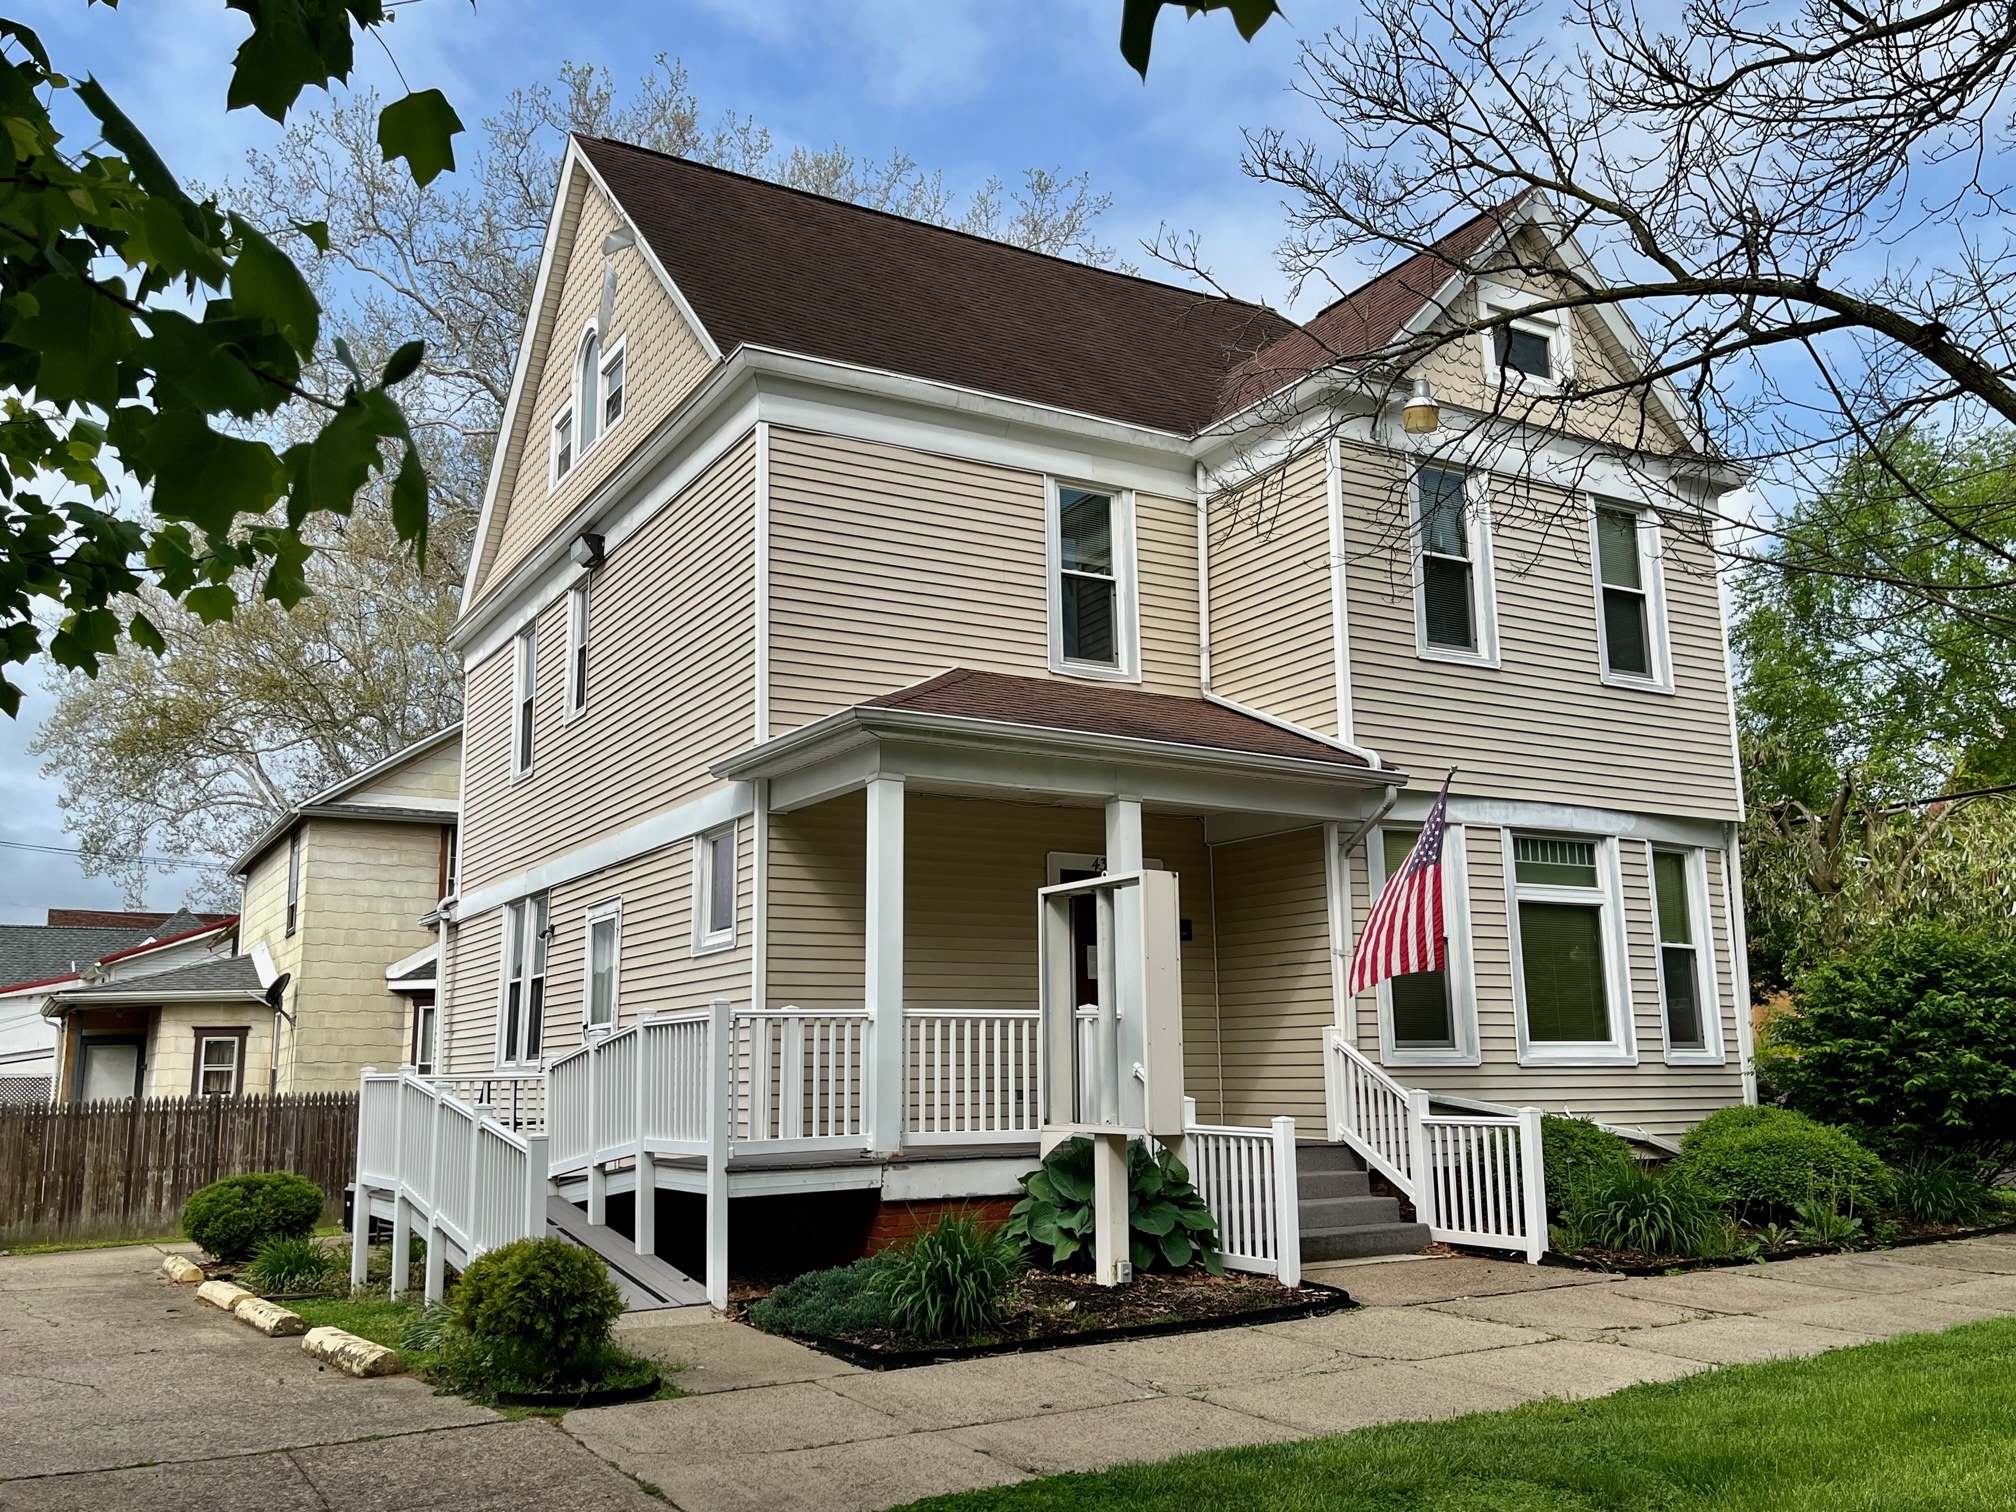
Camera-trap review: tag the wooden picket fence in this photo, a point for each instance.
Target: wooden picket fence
(104, 1169)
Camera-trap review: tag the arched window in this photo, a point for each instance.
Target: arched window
(590, 407)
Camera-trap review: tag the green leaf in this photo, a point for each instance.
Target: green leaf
(80, 335)
(404, 363)
(1066, 1246)
(316, 232)
(409, 502)
(206, 478)
(211, 604)
(266, 285)
(1155, 1218)
(420, 128)
(1197, 1219)
(1177, 1249)
(1039, 1187)
(1138, 17)
(142, 632)
(1141, 1252)
(1212, 1261)
(294, 43)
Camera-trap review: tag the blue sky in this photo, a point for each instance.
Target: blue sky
(976, 88)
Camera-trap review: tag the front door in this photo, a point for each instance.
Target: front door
(108, 1069)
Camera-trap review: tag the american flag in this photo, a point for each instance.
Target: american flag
(1403, 932)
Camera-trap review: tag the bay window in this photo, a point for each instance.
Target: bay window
(1570, 983)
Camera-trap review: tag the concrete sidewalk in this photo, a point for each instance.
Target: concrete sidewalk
(773, 1426)
(118, 1390)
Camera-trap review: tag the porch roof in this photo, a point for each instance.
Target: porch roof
(1067, 740)
(228, 979)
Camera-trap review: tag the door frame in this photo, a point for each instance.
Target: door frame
(84, 1043)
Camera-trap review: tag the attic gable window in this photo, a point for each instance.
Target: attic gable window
(563, 444)
(1525, 350)
(589, 379)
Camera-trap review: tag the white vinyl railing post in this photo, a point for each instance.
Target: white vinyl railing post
(472, 1225)
(402, 1242)
(644, 1219)
(598, 1179)
(535, 1185)
(720, 1088)
(1533, 1178)
(1287, 1206)
(1336, 1085)
(360, 1204)
(434, 1285)
(1417, 1157)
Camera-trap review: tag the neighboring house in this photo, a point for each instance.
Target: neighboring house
(335, 893)
(843, 580)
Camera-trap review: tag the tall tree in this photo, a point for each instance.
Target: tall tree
(192, 752)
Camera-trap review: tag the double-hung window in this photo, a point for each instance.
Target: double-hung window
(1687, 990)
(563, 444)
(612, 385)
(522, 1022)
(577, 650)
(1572, 990)
(220, 1062)
(714, 890)
(1630, 607)
(605, 940)
(588, 382)
(522, 705)
(1454, 617)
(294, 881)
(1092, 619)
(1426, 1017)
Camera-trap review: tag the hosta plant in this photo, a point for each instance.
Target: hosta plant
(1167, 1221)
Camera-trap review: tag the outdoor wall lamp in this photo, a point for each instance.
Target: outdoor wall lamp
(1423, 414)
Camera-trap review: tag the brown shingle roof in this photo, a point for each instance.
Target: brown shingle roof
(764, 265)
(1102, 709)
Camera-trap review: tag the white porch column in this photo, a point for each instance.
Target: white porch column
(1126, 853)
(883, 974)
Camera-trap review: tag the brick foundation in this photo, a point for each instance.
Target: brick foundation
(897, 1222)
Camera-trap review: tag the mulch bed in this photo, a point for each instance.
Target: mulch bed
(1633, 1263)
(1053, 1310)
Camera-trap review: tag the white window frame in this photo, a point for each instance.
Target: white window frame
(1621, 1048)
(578, 651)
(238, 1044)
(1497, 299)
(1126, 587)
(555, 473)
(706, 941)
(1483, 588)
(613, 352)
(1461, 968)
(525, 703)
(520, 917)
(1707, 980)
(610, 913)
(1651, 556)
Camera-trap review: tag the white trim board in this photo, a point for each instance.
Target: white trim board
(1507, 813)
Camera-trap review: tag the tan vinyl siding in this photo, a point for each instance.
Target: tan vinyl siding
(671, 687)
(1651, 1095)
(889, 565)
(1274, 994)
(435, 774)
(663, 361)
(1542, 726)
(1271, 638)
(818, 904)
(469, 1021)
(171, 1051)
(262, 916)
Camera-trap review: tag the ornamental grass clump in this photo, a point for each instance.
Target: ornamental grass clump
(1635, 1209)
(950, 1282)
(1573, 1150)
(232, 1218)
(295, 1266)
(1167, 1221)
(1943, 1187)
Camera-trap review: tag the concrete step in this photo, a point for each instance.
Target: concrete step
(1326, 1157)
(1310, 1185)
(1346, 1212)
(1360, 1241)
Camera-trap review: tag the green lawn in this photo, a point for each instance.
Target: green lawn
(1925, 1421)
(374, 1318)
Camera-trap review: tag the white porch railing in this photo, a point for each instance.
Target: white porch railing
(972, 1075)
(1475, 1177)
(801, 1078)
(470, 1183)
(1247, 1180)
(515, 1099)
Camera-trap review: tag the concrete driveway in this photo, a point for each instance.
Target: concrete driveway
(119, 1390)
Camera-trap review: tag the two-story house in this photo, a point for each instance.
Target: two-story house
(844, 580)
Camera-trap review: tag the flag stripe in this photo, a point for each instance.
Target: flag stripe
(1404, 932)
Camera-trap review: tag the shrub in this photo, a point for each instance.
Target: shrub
(1573, 1149)
(1911, 1036)
(1938, 1187)
(296, 1265)
(820, 1304)
(1167, 1220)
(542, 1308)
(950, 1282)
(1633, 1208)
(233, 1217)
(1765, 1161)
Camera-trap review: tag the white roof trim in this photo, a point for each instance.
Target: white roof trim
(407, 964)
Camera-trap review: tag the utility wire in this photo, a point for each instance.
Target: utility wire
(194, 863)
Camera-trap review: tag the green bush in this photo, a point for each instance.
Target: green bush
(1910, 1037)
(1941, 1187)
(1765, 1162)
(1167, 1220)
(1631, 1207)
(296, 1264)
(950, 1282)
(1573, 1149)
(820, 1304)
(233, 1217)
(543, 1309)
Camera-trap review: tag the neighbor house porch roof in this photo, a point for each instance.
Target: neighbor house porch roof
(227, 980)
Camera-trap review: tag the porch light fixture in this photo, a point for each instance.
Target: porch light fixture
(1423, 414)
